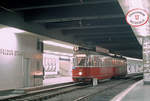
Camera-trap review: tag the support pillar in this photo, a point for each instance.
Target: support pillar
(95, 81)
(146, 59)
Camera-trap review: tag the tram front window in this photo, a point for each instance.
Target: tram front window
(81, 61)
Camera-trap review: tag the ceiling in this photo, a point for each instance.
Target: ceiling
(85, 22)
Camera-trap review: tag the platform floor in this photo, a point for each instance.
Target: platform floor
(137, 92)
(46, 82)
(57, 80)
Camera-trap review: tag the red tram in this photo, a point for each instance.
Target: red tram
(89, 65)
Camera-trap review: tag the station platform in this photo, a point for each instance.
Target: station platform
(136, 92)
(57, 80)
(48, 82)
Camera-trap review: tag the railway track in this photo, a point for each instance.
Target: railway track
(105, 91)
(38, 95)
(103, 94)
(54, 92)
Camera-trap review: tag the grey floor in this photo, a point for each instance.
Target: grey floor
(140, 93)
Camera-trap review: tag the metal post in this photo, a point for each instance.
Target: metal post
(146, 59)
(95, 81)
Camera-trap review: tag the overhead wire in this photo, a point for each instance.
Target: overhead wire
(6, 9)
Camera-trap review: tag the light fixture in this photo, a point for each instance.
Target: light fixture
(58, 53)
(58, 44)
(129, 58)
(11, 30)
(80, 73)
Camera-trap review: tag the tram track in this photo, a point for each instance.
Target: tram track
(56, 91)
(106, 90)
(103, 87)
(39, 95)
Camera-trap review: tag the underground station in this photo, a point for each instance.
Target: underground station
(74, 50)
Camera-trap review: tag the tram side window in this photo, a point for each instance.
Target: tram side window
(107, 62)
(100, 61)
(114, 62)
(110, 62)
(96, 61)
(103, 62)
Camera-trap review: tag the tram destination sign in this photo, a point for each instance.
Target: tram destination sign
(137, 17)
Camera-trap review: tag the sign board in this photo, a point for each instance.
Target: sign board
(137, 17)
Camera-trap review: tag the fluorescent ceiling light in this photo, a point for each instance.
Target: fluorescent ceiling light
(58, 44)
(58, 53)
(11, 30)
(129, 58)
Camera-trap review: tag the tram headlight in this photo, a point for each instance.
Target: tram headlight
(80, 73)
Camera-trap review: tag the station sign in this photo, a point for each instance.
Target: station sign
(10, 52)
(137, 17)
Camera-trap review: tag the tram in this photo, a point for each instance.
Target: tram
(89, 65)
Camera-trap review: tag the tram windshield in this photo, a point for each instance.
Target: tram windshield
(80, 60)
(92, 61)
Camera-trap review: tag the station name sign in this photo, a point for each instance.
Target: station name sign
(10, 52)
(137, 17)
